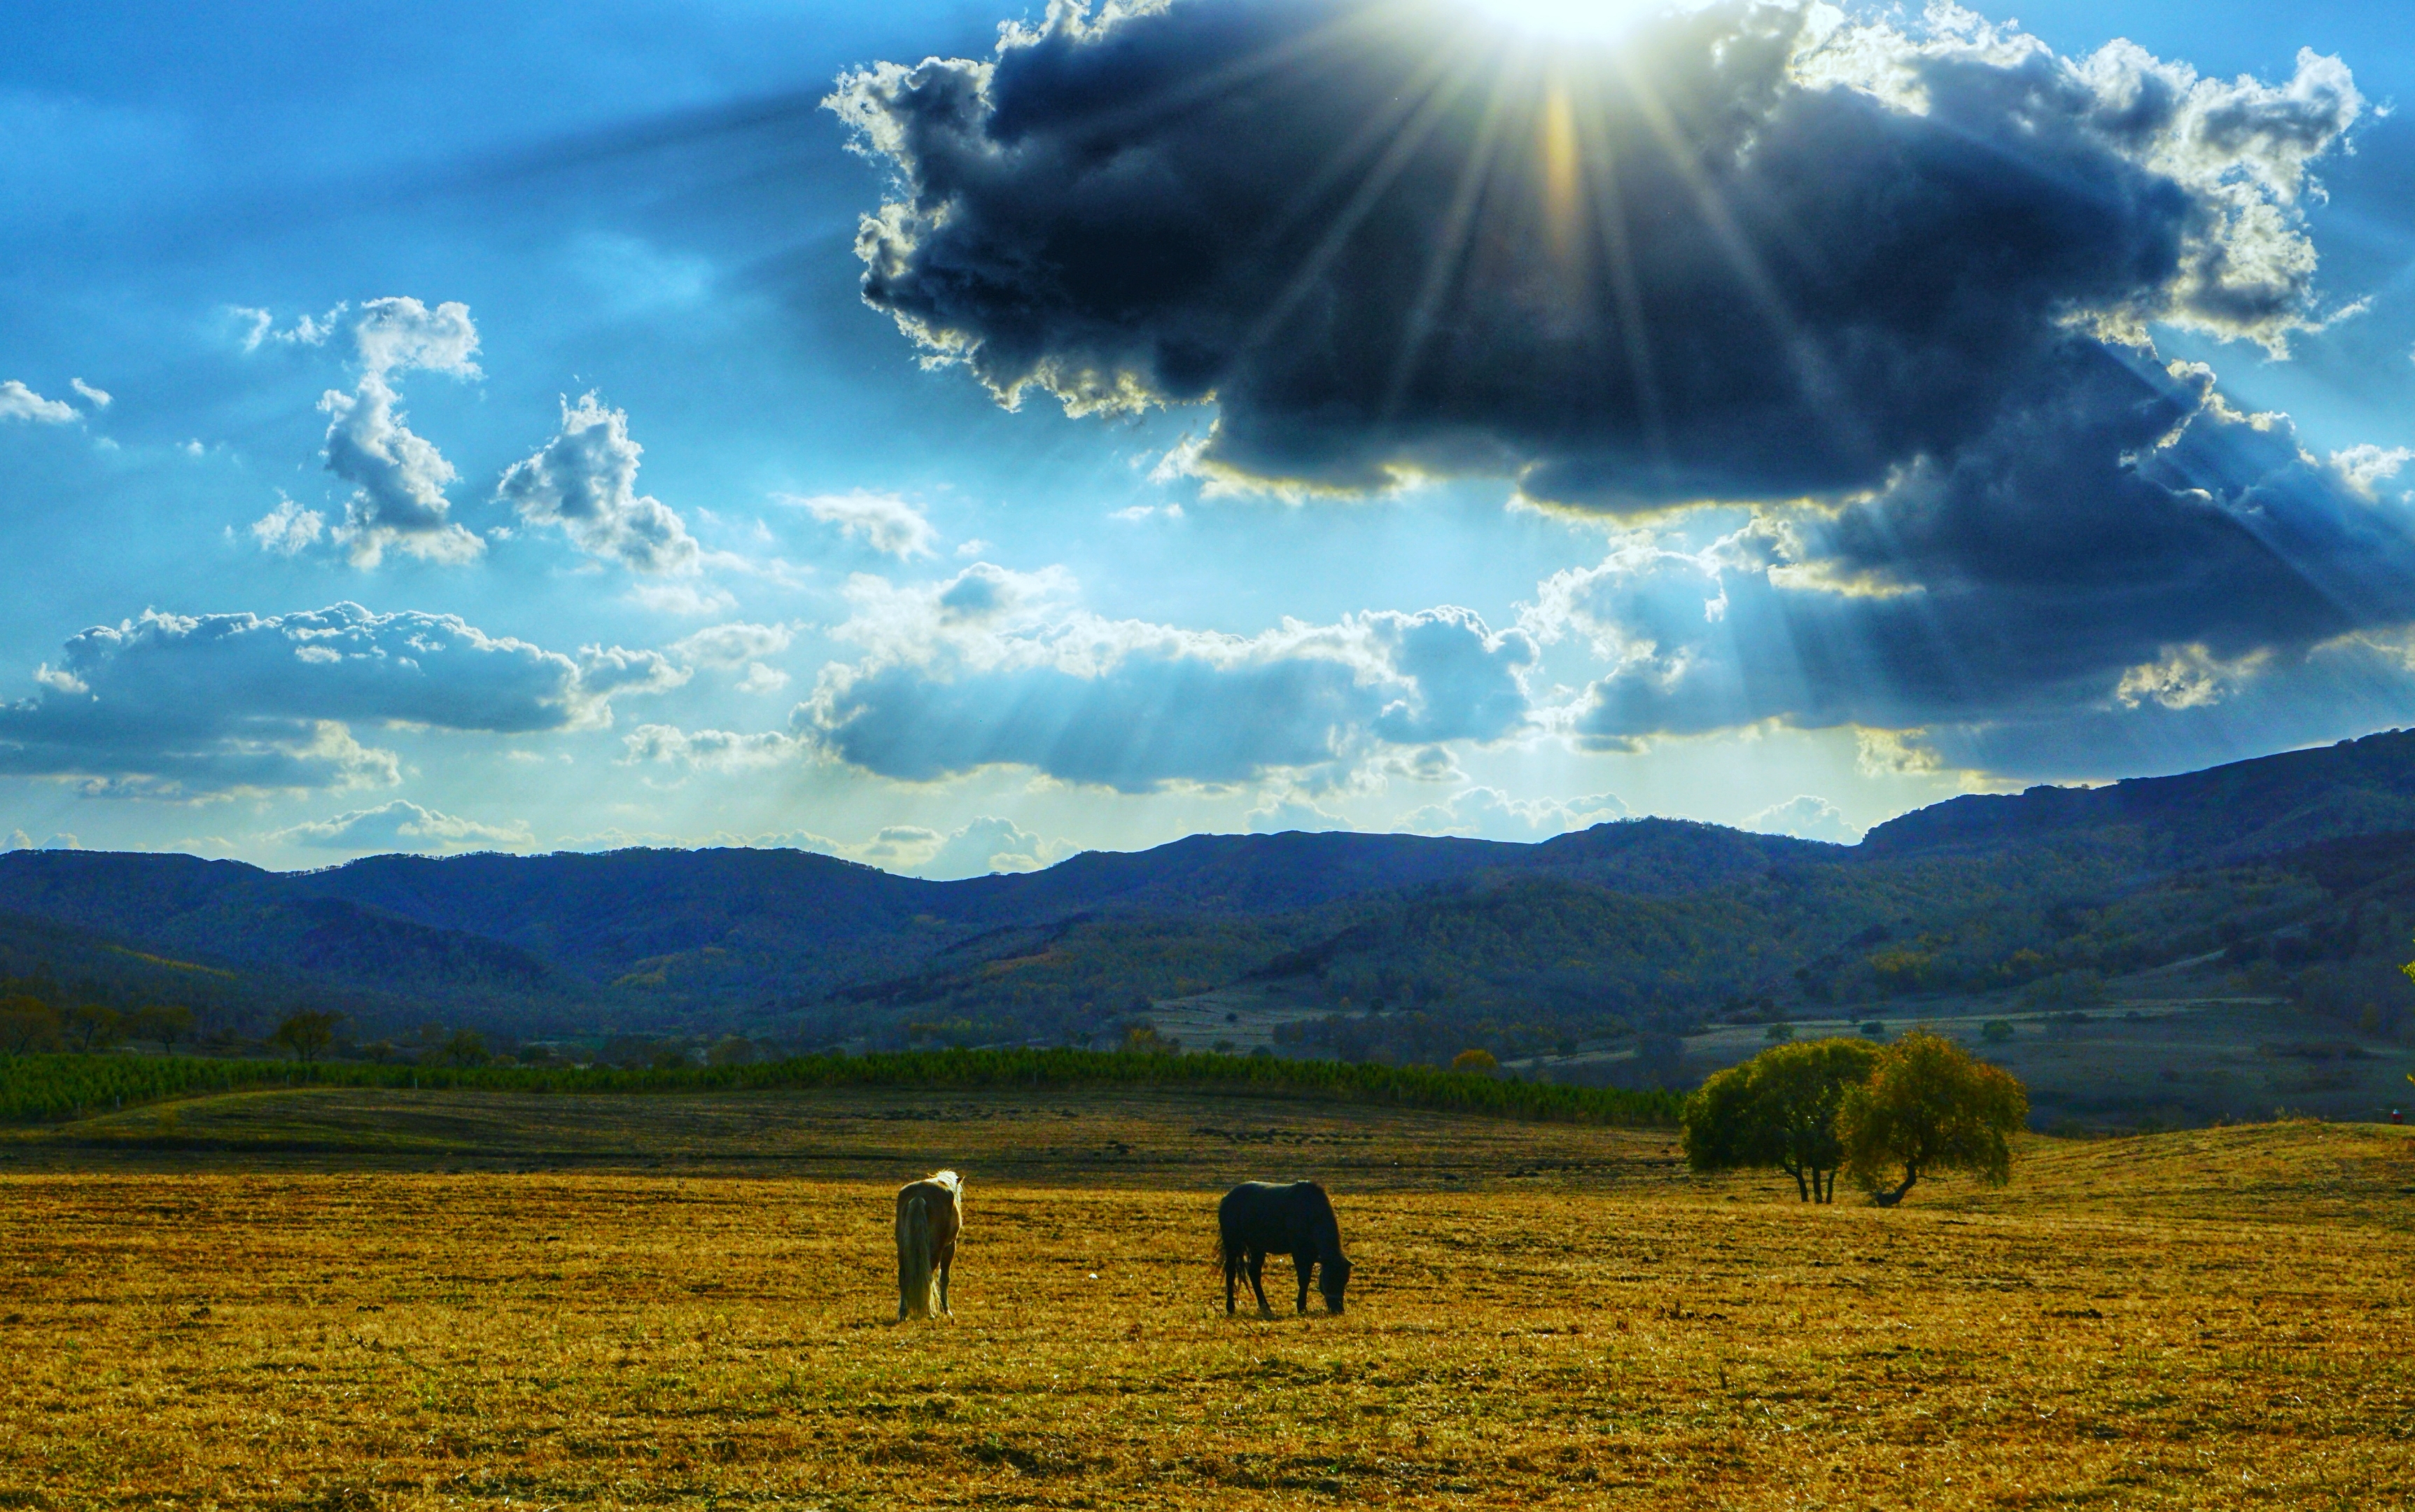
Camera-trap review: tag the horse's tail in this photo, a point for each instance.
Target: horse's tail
(914, 1270)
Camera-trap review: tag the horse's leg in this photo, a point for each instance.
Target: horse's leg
(1304, 1263)
(1232, 1278)
(1258, 1281)
(947, 1264)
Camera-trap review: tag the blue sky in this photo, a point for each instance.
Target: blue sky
(455, 427)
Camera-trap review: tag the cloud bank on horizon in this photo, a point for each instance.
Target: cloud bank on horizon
(1880, 379)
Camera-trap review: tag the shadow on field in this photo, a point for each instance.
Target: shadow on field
(1134, 1138)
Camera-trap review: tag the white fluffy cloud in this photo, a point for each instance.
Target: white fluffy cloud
(398, 477)
(2366, 467)
(884, 522)
(739, 644)
(998, 668)
(985, 846)
(173, 706)
(982, 847)
(2240, 150)
(18, 402)
(403, 826)
(733, 644)
(1278, 814)
(713, 750)
(400, 335)
(1489, 813)
(1805, 818)
(97, 398)
(2186, 676)
(584, 482)
(308, 331)
(287, 529)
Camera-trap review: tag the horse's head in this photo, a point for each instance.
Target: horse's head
(1331, 1278)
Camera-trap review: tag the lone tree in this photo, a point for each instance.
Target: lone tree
(1927, 1106)
(468, 1047)
(1145, 1040)
(165, 1023)
(1779, 1108)
(95, 1026)
(28, 1026)
(306, 1034)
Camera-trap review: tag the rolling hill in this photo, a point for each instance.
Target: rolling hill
(2300, 865)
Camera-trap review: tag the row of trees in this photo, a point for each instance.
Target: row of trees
(1812, 1109)
(31, 1026)
(39, 1088)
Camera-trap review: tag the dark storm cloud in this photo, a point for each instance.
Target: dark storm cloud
(1733, 258)
(2132, 546)
(1894, 289)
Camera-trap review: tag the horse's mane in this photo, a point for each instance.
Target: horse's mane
(1329, 1227)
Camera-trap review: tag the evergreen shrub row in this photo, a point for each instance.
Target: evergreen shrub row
(48, 1087)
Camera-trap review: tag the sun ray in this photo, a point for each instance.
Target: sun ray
(1450, 249)
(1416, 94)
(1797, 349)
(1619, 259)
(1562, 171)
(1364, 200)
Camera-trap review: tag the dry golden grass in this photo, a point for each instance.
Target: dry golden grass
(2214, 1319)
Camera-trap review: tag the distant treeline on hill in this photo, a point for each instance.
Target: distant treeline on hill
(42, 1088)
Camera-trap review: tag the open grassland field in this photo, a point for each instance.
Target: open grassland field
(314, 1315)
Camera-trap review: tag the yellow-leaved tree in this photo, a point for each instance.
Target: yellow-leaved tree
(1779, 1108)
(1928, 1107)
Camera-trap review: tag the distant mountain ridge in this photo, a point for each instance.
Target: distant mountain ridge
(1636, 921)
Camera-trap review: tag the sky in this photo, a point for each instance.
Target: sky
(954, 436)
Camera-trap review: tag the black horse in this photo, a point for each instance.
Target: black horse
(1258, 1219)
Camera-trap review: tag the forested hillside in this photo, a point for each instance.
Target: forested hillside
(2296, 872)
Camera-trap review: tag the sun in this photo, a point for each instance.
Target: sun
(1586, 19)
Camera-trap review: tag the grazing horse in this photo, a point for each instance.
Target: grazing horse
(1258, 1219)
(930, 1215)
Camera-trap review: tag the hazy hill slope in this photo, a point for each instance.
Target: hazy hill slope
(87, 965)
(597, 915)
(255, 926)
(133, 896)
(730, 926)
(1673, 858)
(1245, 875)
(2248, 808)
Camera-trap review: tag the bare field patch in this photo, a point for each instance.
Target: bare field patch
(2203, 1321)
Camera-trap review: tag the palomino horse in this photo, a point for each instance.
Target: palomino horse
(930, 1215)
(1258, 1219)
